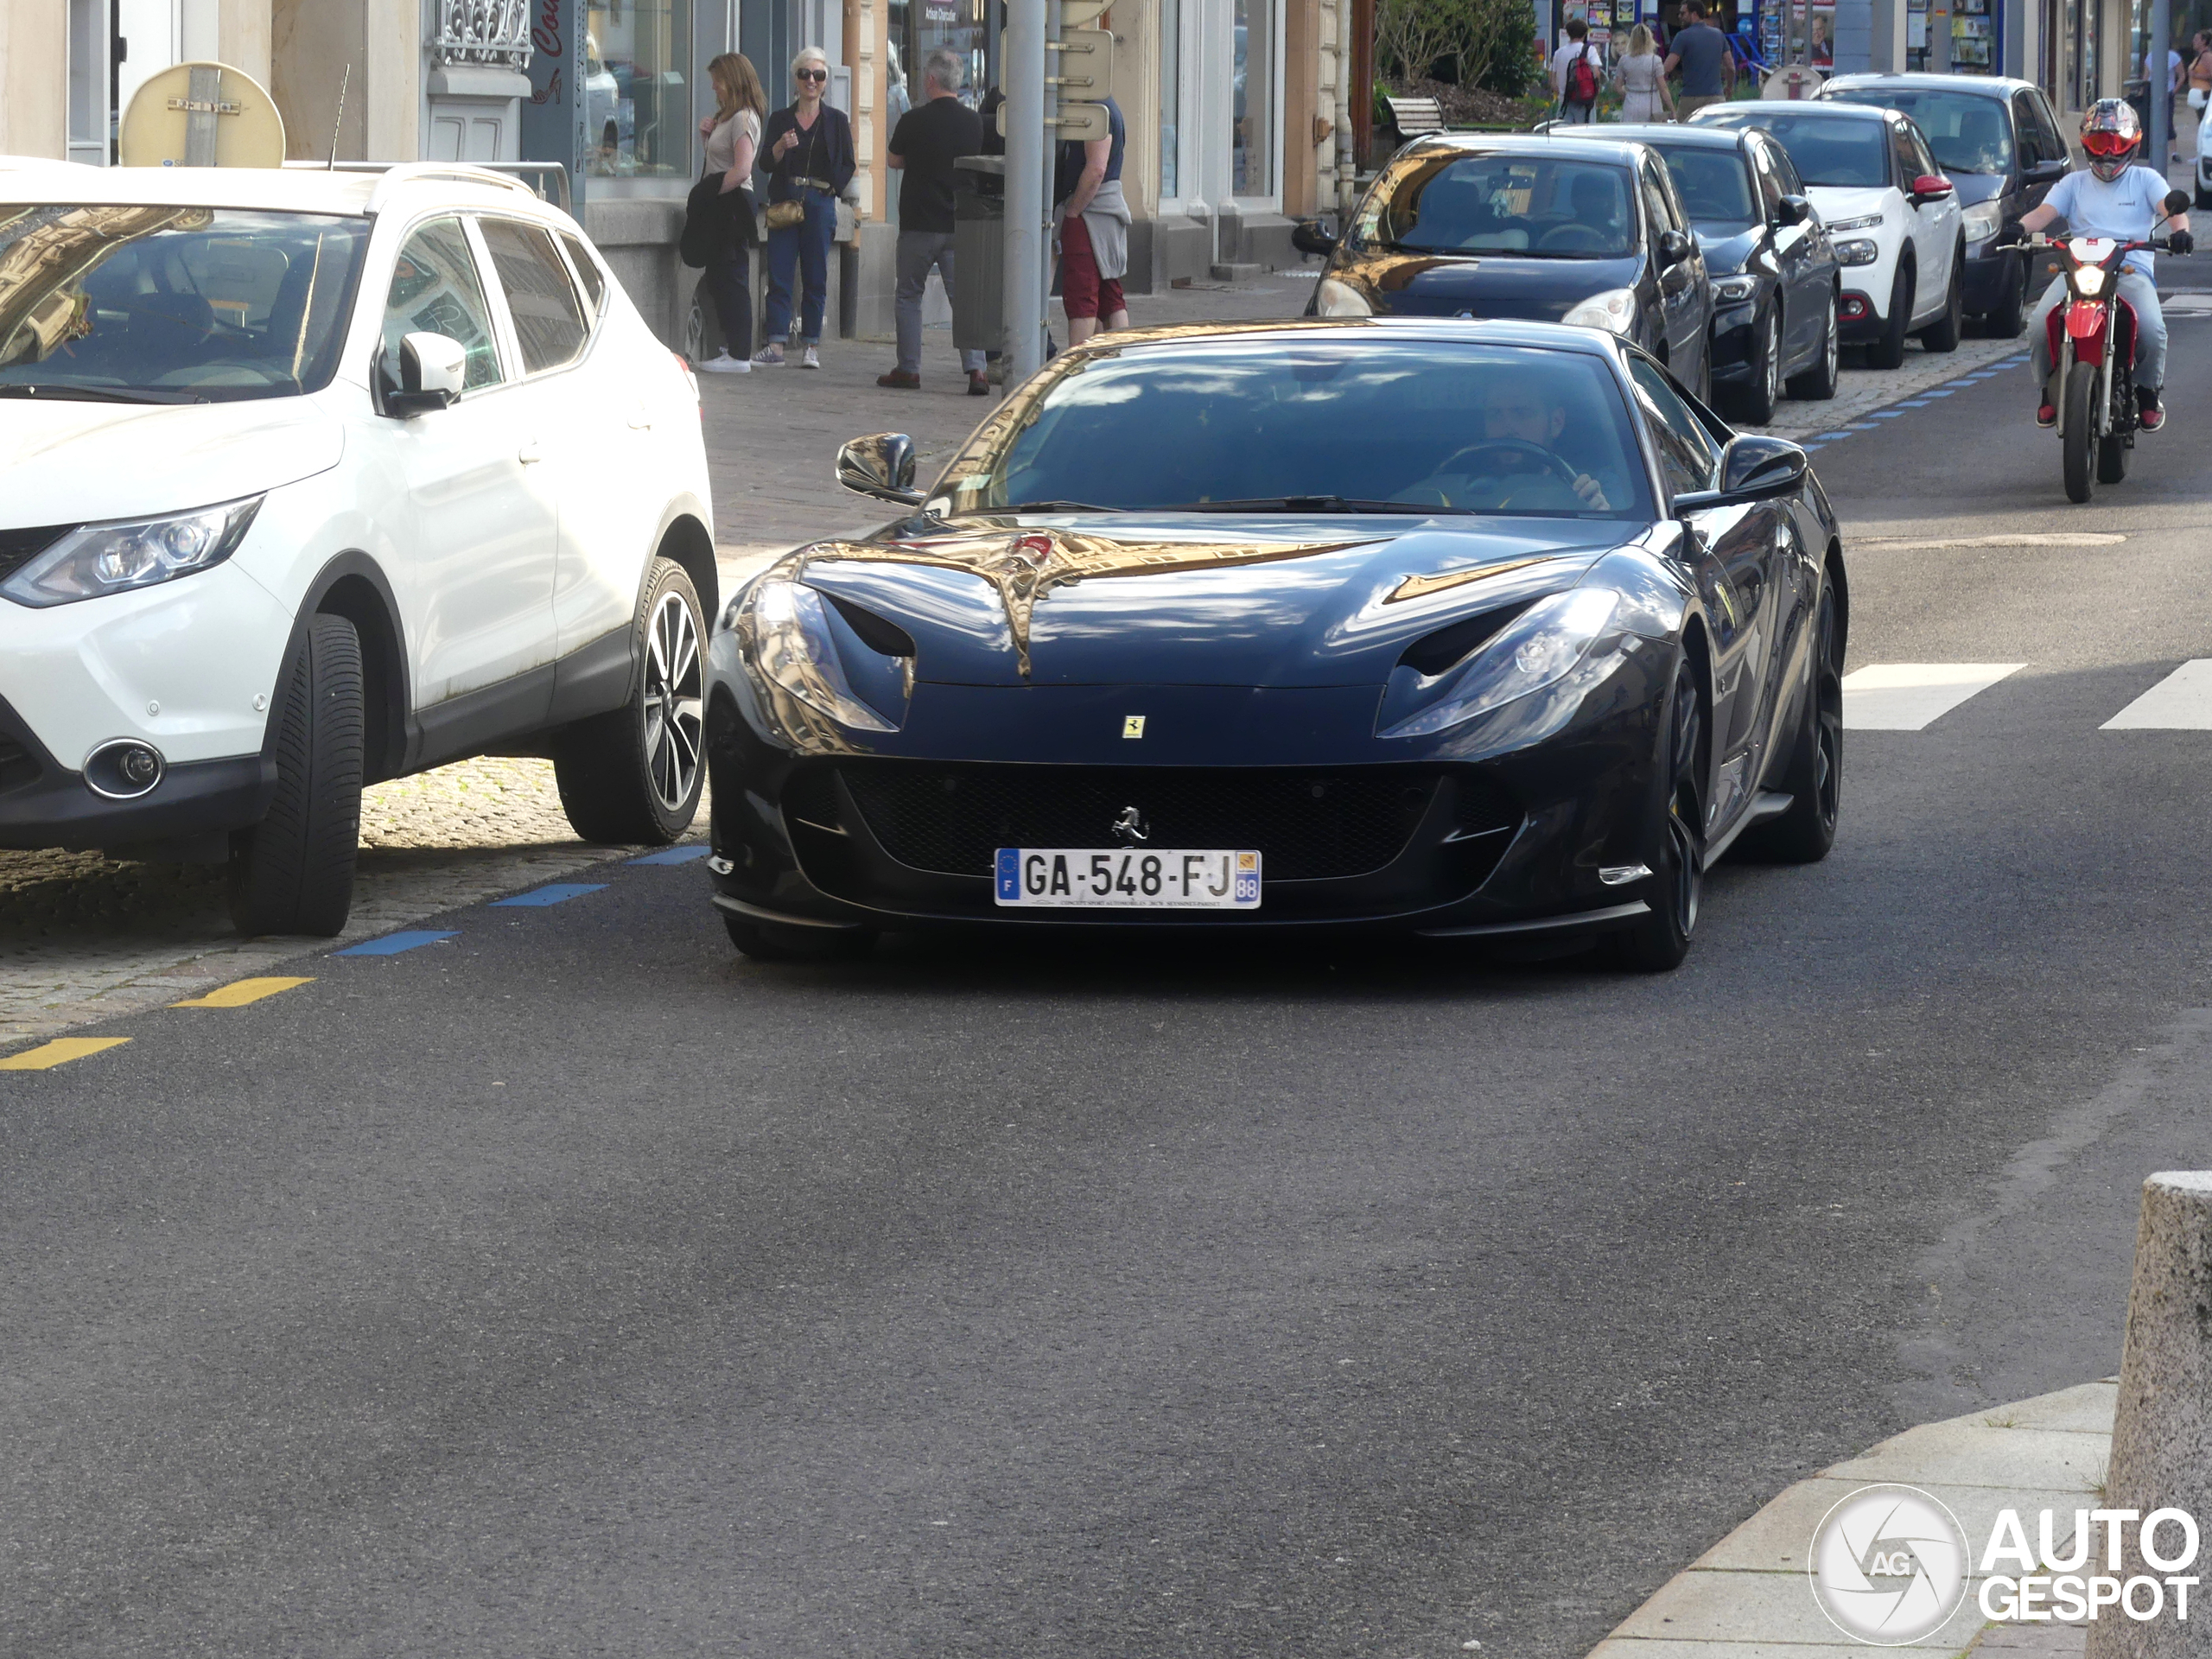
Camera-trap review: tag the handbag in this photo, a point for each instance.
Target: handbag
(2197, 98)
(783, 215)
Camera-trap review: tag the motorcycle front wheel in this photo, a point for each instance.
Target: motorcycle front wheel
(2078, 421)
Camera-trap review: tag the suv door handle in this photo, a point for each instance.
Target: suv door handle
(531, 453)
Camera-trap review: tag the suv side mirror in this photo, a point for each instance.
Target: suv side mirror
(1311, 236)
(433, 368)
(881, 465)
(1753, 468)
(1929, 186)
(1674, 246)
(1793, 210)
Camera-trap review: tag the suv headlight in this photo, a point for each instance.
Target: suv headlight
(1340, 298)
(1734, 290)
(1539, 647)
(1859, 251)
(785, 641)
(1614, 309)
(1864, 222)
(95, 560)
(1983, 220)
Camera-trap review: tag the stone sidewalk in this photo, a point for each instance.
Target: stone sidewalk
(1749, 1596)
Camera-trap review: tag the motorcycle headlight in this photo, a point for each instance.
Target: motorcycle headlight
(1734, 290)
(2089, 280)
(1341, 299)
(1614, 309)
(100, 559)
(1983, 220)
(1864, 222)
(1539, 647)
(784, 637)
(1861, 251)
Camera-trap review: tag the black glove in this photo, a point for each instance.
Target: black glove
(2181, 242)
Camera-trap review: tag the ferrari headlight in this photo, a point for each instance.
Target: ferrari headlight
(2089, 280)
(1340, 298)
(1614, 309)
(1539, 647)
(1734, 290)
(1983, 220)
(100, 559)
(1859, 251)
(1864, 222)
(784, 637)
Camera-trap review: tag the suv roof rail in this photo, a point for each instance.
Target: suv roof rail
(544, 180)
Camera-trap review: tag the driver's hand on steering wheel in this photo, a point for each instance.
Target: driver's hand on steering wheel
(1592, 496)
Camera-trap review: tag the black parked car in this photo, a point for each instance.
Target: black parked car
(1773, 269)
(1528, 227)
(1999, 142)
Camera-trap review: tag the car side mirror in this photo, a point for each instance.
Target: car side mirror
(881, 465)
(1930, 187)
(433, 368)
(1753, 468)
(1311, 236)
(1793, 210)
(1674, 246)
(2044, 172)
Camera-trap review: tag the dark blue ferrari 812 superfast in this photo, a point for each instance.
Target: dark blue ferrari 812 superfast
(1484, 631)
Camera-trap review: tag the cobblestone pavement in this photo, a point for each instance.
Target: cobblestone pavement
(85, 938)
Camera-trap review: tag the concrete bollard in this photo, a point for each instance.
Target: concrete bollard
(2162, 1435)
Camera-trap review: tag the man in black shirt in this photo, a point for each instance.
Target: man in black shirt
(927, 140)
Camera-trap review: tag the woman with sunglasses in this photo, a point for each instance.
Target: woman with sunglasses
(809, 149)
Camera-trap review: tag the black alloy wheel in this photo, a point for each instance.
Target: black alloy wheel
(2077, 423)
(1658, 942)
(1817, 383)
(2010, 320)
(1888, 352)
(1942, 334)
(1804, 834)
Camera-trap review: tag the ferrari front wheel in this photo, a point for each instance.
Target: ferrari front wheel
(1660, 940)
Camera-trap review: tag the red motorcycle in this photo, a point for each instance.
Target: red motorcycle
(2093, 335)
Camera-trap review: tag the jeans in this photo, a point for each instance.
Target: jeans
(805, 245)
(2139, 291)
(1577, 114)
(917, 251)
(729, 284)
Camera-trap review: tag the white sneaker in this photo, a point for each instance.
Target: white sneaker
(725, 364)
(809, 359)
(769, 357)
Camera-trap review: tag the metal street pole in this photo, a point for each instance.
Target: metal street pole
(2160, 76)
(1024, 187)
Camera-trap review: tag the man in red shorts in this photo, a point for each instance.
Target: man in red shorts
(1094, 219)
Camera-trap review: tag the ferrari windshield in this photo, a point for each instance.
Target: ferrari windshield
(1354, 423)
(163, 304)
(1845, 151)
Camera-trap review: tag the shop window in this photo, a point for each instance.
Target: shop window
(638, 73)
(1252, 97)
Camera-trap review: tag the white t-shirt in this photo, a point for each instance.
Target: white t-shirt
(1566, 55)
(2125, 209)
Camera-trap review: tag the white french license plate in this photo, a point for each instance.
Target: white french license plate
(1085, 878)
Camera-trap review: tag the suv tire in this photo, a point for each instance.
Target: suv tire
(1942, 334)
(1888, 352)
(293, 872)
(632, 777)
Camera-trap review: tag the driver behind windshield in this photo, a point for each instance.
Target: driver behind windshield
(1517, 467)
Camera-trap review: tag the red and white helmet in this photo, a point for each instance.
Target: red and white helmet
(2111, 134)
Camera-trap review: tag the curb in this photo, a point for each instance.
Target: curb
(1748, 1597)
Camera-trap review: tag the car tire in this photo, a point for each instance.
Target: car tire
(2077, 423)
(1942, 334)
(1660, 941)
(1755, 402)
(1804, 834)
(293, 872)
(1817, 383)
(1888, 352)
(2010, 320)
(767, 941)
(2204, 199)
(632, 777)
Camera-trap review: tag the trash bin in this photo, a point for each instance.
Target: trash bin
(979, 253)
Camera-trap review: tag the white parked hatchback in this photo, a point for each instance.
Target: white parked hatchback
(1898, 230)
(309, 480)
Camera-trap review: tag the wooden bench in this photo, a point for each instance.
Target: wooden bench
(1412, 117)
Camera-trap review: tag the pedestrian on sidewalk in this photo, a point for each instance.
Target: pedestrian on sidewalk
(733, 136)
(810, 151)
(1708, 68)
(925, 144)
(1577, 67)
(1644, 96)
(2190, 110)
(1094, 224)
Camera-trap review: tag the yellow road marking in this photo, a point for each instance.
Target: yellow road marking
(60, 1052)
(238, 992)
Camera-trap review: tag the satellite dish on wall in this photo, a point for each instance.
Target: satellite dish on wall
(202, 115)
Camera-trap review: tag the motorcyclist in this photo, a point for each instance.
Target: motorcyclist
(2121, 199)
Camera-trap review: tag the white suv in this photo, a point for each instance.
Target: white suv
(309, 480)
(1898, 230)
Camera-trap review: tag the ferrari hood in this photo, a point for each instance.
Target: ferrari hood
(63, 461)
(1194, 599)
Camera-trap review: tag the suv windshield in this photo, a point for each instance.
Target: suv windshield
(1715, 186)
(1968, 133)
(1845, 151)
(1309, 425)
(1451, 203)
(173, 304)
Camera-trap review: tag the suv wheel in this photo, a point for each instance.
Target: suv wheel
(1942, 334)
(293, 872)
(1888, 352)
(632, 777)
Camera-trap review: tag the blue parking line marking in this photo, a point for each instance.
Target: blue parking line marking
(1914, 403)
(1883, 415)
(1863, 426)
(555, 893)
(676, 855)
(393, 943)
(1939, 391)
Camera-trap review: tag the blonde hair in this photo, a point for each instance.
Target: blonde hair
(737, 85)
(1639, 41)
(811, 55)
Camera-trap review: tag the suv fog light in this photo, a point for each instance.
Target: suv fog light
(122, 770)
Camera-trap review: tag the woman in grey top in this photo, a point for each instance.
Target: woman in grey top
(1642, 81)
(733, 136)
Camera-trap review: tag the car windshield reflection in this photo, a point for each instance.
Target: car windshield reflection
(1968, 132)
(1505, 204)
(1844, 152)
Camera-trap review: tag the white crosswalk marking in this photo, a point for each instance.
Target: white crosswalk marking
(1907, 696)
(2180, 702)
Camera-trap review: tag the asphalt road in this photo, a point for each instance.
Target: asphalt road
(573, 1286)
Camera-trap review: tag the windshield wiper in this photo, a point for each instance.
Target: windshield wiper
(1054, 506)
(98, 394)
(1309, 504)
